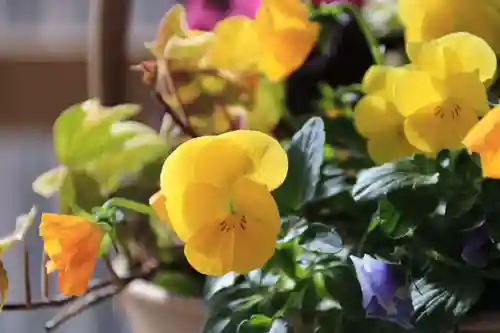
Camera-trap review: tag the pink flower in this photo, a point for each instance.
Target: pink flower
(204, 14)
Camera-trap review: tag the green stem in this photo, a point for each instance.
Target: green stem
(374, 45)
(131, 205)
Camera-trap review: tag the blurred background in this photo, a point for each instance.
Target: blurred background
(43, 50)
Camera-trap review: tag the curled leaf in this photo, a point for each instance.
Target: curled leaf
(23, 223)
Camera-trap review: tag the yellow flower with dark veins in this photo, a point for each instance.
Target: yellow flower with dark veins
(442, 93)
(377, 119)
(72, 244)
(220, 202)
(484, 139)
(276, 42)
(425, 20)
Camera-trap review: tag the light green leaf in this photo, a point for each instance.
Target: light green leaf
(139, 146)
(305, 156)
(23, 223)
(81, 190)
(49, 182)
(4, 285)
(377, 182)
(82, 131)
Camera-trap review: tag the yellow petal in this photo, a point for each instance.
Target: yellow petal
(467, 90)
(490, 164)
(388, 147)
(236, 45)
(159, 203)
(50, 267)
(172, 24)
(286, 14)
(416, 90)
(269, 159)
(283, 50)
(485, 135)
(433, 129)
(196, 206)
(375, 115)
(210, 251)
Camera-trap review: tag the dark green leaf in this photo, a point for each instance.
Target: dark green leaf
(377, 182)
(392, 222)
(321, 238)
(443, 296)
(343, 287)
(305, 156)
(179, 283)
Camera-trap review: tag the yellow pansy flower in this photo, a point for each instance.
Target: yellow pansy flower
(484, 138)
(377, 119)
(72, 244)
(454, 53)
(439, 111)
(425, 20)
(219, 200)
(276, 42)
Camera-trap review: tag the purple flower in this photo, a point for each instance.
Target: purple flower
(386, 294)
(204, 14)
(477, 249)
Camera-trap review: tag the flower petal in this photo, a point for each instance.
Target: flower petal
(416, 90)
(485, 135)
(210, 251)
(269, 160)
(236, 45)
(196, 206)
(490, 164)
(390, 147)
(159, 203)
(430, 132)
(74, 279)
(375, 115)
(284, 50)
(466, 89)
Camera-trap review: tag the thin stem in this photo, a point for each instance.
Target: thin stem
(45, 278)
(129, 204)
(27, 282)
(187, 129)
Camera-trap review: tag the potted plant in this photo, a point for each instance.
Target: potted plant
(298, 182)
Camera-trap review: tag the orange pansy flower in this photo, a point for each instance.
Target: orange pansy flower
(72, 243)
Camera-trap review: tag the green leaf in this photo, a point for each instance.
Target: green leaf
(377, 182)
(23, 223)
(321, 238)
(305, 156)
(49, 183)
(343, 287)
(392, 222)
(82, 132)
(106, 245)
(444, 296)
(4, 285)
(139, 146)
(256, 324)
(81, 190)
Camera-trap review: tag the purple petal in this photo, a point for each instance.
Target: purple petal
(476, 251)
(385, 278)
(364, 281)
(204, 14)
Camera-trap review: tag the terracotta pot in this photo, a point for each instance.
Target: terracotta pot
(150, 309)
